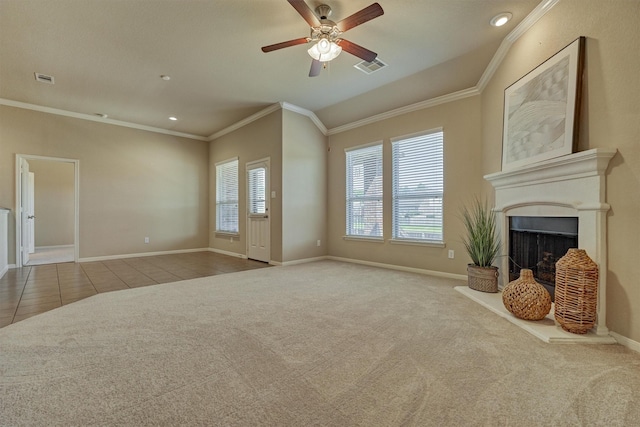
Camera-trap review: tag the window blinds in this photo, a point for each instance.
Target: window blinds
(417, 186)
(364, 191)
(227, 196)
(257, 190)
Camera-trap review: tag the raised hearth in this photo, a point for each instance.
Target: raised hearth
(568, 186)
(545, 329)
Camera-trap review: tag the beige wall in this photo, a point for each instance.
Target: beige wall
(610, 119)
(297, 153)
(304, 188)
(257, 140)
(133, 183)
(461, 123)
(54, 202)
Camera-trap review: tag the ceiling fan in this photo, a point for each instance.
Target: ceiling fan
(325, 34)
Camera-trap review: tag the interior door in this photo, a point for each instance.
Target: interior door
(31, 212)
(26, 210)
(258, 221)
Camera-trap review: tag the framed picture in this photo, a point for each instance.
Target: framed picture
(541, 110)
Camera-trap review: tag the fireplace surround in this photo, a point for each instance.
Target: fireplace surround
(569, 186)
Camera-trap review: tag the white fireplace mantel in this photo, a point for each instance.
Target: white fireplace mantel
(573, 185)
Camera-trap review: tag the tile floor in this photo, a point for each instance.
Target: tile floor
(27, 291)
(51, 255)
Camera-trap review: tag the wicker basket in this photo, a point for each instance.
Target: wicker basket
(576, 295)
(525, 298)
(484, 279)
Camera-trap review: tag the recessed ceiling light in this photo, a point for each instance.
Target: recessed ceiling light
(500, 19)
(173, 118)
(165, 77)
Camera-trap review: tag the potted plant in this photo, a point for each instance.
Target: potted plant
(482, 245)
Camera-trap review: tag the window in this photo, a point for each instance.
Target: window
(364, 192)
(227, 196)
(417, 167)
(257, 190)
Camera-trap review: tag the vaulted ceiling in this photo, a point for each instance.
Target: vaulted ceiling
(107, 56)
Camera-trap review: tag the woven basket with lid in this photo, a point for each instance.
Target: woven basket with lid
(576, 294)
(525, 298)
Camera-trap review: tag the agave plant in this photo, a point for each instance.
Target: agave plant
(481, 241)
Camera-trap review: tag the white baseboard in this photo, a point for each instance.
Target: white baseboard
(143, 254)
(627, 342)
(298, 261)
(4, 270)
(401, 268)
(222, 252)
(55, 247)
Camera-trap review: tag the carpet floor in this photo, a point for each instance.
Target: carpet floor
(318, 344)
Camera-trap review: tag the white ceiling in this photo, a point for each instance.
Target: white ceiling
(107, 57)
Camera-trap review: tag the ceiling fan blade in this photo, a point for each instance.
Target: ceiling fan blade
(316, 67)
(282, 45)
(357, 50)
(366, 14)
(306, 13)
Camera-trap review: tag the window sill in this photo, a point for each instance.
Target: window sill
(430, 243)
(226, 234)
(364, 239)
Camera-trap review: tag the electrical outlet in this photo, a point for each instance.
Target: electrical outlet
(451, 254)
(146, 240)
(318, 243)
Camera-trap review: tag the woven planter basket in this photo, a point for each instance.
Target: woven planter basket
(525, 298)
(576, 295)
(484, 279)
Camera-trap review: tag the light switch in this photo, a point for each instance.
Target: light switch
(273, 194)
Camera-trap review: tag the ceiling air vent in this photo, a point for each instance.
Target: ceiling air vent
(43, 78)
(370, 67)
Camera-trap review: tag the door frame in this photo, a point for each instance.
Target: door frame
(76, 202)
(249, 165)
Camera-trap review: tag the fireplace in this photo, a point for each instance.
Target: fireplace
(537, 243)
(571, 186)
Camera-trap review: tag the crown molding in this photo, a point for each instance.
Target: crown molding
(305, 112)
(81, 116)
(455, 96)
(264, 112)
(252, 118)
(511, 38)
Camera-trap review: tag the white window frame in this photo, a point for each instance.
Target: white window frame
(430, 175)
(353, 197)
(222, 194)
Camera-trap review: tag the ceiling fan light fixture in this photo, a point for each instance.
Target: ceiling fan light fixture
(500, 19)
(324, 50)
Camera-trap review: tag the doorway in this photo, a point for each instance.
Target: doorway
(258, 220)
(47, 208)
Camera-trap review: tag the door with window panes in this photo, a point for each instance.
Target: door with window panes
(258, 221)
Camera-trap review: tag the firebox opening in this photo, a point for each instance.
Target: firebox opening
(537, 243)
